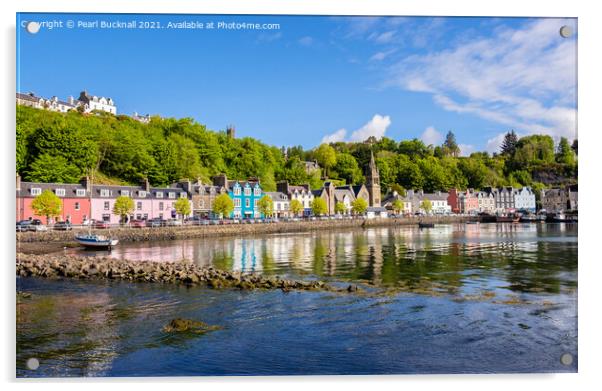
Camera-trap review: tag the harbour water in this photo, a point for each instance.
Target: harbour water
(453, 299)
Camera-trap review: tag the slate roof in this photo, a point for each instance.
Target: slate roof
(70, 189)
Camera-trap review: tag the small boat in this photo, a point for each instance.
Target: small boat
(472, 222)
(509, 218)
(530, 218)
(426, 225)
(562, 218)
(96, 241)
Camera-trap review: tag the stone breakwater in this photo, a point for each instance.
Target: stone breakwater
(183, 272)
(190, 232)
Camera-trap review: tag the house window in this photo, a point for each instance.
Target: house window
(183, 194)
(247, 191)
(77, 206)
(107, 205)
(104, 192)
(257, 191)
(237, 202)
(247, 203)
(160, 206)
(159, 194)
(237, 190)
(145, 216)
(125, 193)
(60, 192)
(80, 192)
(106, 218)
(139, 205)
(255, 204)
(142, 194)
(36, 191)
(172, 194)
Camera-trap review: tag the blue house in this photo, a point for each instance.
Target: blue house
(244, 194)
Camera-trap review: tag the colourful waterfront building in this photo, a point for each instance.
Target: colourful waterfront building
(74, 197)
(244, 194)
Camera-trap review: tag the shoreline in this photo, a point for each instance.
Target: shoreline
(184, 272)
(37, 241)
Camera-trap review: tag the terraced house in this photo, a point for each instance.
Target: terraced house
(245, 194)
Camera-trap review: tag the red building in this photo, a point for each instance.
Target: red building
(453, 200)
(463, 202)
(75, 198)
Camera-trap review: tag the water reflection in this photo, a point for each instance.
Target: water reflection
(521, 257)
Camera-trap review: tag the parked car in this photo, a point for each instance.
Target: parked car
(37, 225)
(23, 225)
(174, 222)
(156, 222)
(100, 224)
(137, 223)
(63, 226)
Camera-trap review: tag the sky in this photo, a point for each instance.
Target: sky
(304, 80)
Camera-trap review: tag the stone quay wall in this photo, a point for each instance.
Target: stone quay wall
(201, 231)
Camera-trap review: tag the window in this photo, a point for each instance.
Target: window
(279, 206)
(60, 192)
(106, 218)
(237, 202)
(139, 205)
(107, 205)
(237, 190)
(105, 192)
(257, 191)
(247, 203)
(255, 203)
(125, 193)
(77, 206)
(145, 216)
(142, 194)
(161, 216)
(183, 194)
(80, 192)
(160, 206)
(159, 194)
(247, 191)
(172, 194)
(36, 191)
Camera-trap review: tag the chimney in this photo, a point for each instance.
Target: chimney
(146, 185)
(221, 180)
(18, 184)
(282, 187)
(410, 193)
(85, 182)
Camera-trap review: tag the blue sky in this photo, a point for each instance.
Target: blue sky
(320, 79)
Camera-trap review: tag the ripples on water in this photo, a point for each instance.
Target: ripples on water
(457, 298)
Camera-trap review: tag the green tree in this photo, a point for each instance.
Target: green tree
(55, 169)
(359, 206)
(397, 206)
(509, 144)
(123, 207)
(223, 205)
(426, 205)
(296, 207)
(47, 204)
(450, 146)
(346, 168)
(340, 208)
(182, 207)
(399, 189)
(266, 205)
(565, 154)
(318, 206)
(326, 157)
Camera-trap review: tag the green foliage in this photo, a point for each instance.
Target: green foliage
(397, 206)
(509, 144)
(359, 206)
(450, 146)
(123, 207)
(318, 206)
(326, 157)
(340, 208)
(346, 168)
(426, 205)
(47, 204)
(296, 207)
(223, 205)
(399, 189)
(565, 154)
(182, 207)
(56, 169)
(266, 205)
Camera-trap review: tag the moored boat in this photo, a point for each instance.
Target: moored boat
(509, 218)
(426, 225)
(96, 241)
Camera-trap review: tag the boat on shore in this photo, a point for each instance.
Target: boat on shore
(94, 241)
(509, 218)
(426, 225)
(561, 218)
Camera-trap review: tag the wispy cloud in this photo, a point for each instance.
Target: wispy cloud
(522, 78)
(431, 136)
(376, 127)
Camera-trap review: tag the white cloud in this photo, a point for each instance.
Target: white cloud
(376, 127)
(306, 41)
(522, 78)
(379, 56)
(337, 136)
(431, 136)
(466, 149)
(494, 144)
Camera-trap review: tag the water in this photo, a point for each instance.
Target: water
(454, 299)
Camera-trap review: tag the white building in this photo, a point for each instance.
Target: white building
(486, 202)
(93, 102)
(303, 194)
(524, 199)
(281, 202)
(439, 204)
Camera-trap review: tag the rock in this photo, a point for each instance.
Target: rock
(188, 325)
